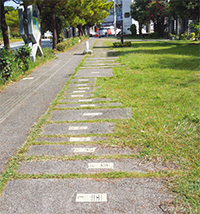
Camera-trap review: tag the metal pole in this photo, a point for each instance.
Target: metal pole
(115, 18)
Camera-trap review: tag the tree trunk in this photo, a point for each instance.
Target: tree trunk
(54, 27)
(4, 26)
(140, 29)
(73, 32)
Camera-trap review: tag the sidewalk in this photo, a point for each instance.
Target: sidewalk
(23, 103)
(69, 169)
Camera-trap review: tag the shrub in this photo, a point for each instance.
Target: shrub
(119, 44)
(7, 59)
(192, 36)
(133, 29)
(61, 46)
(197, 29)
(22, 56)
(68, 43)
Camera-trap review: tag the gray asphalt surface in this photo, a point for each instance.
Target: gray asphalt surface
(24, 102)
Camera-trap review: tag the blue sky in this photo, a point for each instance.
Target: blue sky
(10, 3)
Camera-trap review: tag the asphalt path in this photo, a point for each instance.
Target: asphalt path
(46, 43)
(24, 102)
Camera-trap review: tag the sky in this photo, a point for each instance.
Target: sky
(10, 3)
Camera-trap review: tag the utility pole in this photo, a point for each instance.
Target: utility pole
(115, 18)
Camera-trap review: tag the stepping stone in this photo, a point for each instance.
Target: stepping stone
(78, 95)
(71, 150)
(90, 114)
(81, 85)
(99, 67)
(88, 166)
(84, 100)
(83, 80)
(126, 195)
(68, 139)
(80, 91)
(100, 63)
(90, 59)
(95, 73)
(102, 58)
(87, 105)
(77, 128)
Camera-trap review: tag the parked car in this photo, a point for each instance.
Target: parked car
(104, 30)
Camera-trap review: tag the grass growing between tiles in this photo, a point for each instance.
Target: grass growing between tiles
(10, 171)
(160, 82)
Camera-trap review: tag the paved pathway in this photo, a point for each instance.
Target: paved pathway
(24, 102)
(71, 146)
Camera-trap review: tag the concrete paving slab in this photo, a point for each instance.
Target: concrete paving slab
(79, 91)
(76, 139)
(56, 196)
(71, 150)
(84, 100)
(87, 105)
(97, 63)
(94, 73)
(102, 58)
(88, 166)
(82, 84)
(90, 114)
(24, 102)
(77, 128)
(83, 80)
(78, 95)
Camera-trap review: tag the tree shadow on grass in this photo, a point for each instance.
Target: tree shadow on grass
(174, 48)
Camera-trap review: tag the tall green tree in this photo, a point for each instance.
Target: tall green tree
(12, 19)
(138, 12)
(145, 11)
(185, 9)
(82, 13)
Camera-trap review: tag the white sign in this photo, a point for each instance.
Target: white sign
(84, 88)
(84, 80)
(86, 100)
(82, 150)
(80, 95)
(79, 139)
(30, 32)
(88, 105)
(99, 197)
(78, 127)
(92, 114)
(82, 85)
(78, 91)
(100, 165)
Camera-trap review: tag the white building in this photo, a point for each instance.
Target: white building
(121, 14)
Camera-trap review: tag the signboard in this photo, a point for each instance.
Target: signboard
(30, 28)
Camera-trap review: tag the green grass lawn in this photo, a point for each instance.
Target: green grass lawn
(160, 82)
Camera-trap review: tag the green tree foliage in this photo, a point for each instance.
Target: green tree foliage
(82, 13)
(138, 12)
(12, 19)
(145, 11)
(157, 11)
(185, 9)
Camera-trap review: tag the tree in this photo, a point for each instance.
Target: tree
(4, 27)
(145, 11)
(12, 19)
(82, 13)
(157, 11)
(138, 12)
(185, 9)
